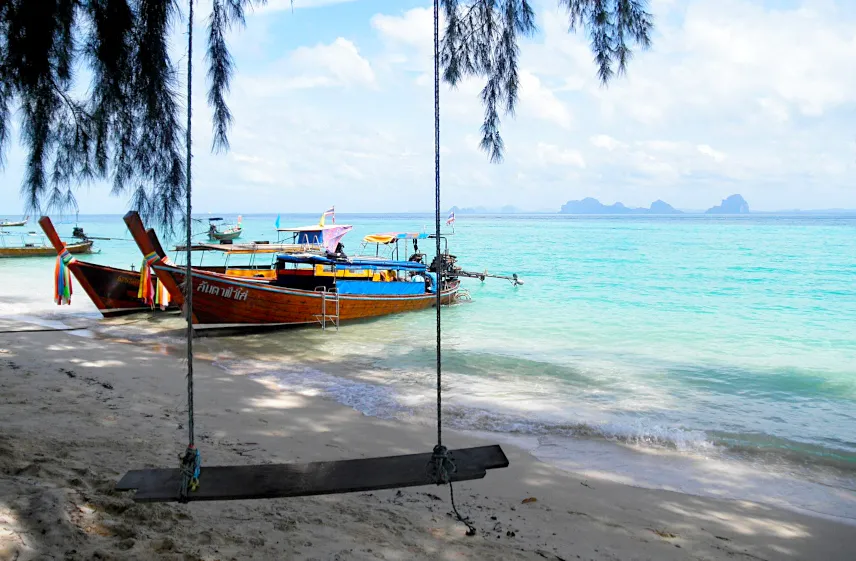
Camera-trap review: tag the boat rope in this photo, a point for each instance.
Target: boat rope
(191, 461)
(44, 330)
(442, 464)
(438, 290)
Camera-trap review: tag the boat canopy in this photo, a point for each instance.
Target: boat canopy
(246, 248)
(327, 236)
(362, 264)
(390, 237)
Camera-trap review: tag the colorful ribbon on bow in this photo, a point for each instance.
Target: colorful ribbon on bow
(161, 295)
(146, 292)
(151, 290)
(62, 278)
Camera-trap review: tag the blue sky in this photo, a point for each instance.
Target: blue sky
(333, 106)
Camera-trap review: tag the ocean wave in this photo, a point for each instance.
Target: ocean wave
(388, 395)
(386, 401)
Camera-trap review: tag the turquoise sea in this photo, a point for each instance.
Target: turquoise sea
(712, 355)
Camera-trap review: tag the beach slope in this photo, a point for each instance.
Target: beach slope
(76, 413)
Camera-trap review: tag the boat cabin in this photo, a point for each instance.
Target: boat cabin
(326, 236)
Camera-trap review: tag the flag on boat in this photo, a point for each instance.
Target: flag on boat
(451, 219)
(331, 212)
(276, 224)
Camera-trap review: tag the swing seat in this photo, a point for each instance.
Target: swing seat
(271, 481)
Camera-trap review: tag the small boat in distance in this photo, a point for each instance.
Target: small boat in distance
(35, 245)
(223, 231)
(10, 224)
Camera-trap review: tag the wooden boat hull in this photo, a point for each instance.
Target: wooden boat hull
(45, 250)
(225, 235)
(113, 291)
(228, 303)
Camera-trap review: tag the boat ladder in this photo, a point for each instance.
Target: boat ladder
(329, 307)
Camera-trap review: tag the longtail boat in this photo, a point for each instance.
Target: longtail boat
(308, 288)
(228, 231)
(32, 245)
(13, 224)
(114, 291)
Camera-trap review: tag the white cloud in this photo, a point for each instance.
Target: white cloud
(730, 53)
(549, 154)
(336, 64)
(661, 145)
(414, 28)
(606, 142)
(775, 109)
(541, 102)
(710, 152)
(796, 55)
(280, 5)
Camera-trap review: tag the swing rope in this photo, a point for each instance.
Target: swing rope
(191, 460)
(442, 464)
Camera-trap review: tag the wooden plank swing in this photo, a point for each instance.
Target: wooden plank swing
(271, 481)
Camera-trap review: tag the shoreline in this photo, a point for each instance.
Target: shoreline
(820, 488)
(66, 437)
(808, 490)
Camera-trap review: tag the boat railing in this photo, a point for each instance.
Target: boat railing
(29, 239)
(333, 296)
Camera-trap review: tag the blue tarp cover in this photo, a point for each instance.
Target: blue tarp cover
(370, 287)
(362, 264)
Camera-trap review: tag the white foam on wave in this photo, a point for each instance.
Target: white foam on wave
(489, 406)
(634, 452)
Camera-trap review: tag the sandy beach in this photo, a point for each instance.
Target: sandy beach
(77, 412)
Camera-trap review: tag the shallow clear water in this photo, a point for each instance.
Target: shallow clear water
(703, 339)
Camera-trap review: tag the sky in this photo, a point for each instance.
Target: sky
(333, 105)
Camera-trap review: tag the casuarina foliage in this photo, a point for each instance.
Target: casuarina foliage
(125, 124)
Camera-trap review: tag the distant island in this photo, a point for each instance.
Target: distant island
(590, 205)
(735, 204)
(732, 205)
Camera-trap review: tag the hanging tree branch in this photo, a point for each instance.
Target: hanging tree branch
(126, 127)
(482, 39)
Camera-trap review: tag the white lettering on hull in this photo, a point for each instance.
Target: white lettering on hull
(230, 293)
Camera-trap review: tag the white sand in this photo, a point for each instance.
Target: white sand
(75, 413)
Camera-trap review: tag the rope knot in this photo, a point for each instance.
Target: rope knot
(442, 465)
(190, 468)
